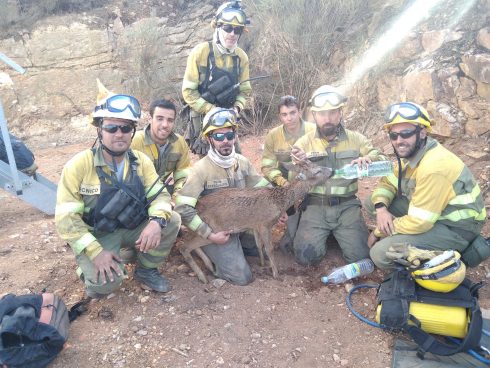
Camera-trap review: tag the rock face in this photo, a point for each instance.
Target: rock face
(443, 64)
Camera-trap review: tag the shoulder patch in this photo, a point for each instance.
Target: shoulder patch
(87, 189)
(214, 184)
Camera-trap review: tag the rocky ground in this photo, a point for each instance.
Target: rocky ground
(294, 321)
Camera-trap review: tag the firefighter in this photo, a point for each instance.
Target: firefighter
(431, 200)
(109, 198)
(332, 207)
(213, 68)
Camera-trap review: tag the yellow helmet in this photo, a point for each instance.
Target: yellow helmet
(327, 98)
(218, 118)
(407, 112)
(231, 13)
(443, 276)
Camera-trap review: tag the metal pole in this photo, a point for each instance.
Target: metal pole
(12, 63)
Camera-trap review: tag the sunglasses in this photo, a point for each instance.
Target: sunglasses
(406, 110)
(331, 98)
(119, 103)
(228, 28)
(112, 128)
(220, 137)
(405, 134)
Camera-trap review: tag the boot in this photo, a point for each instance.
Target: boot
(151, 278)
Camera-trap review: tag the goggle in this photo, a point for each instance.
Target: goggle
(405, 134)
(220, 118)
(405, 110)
(332, 98)
(112, 128)
(228, 28)
(119, 103)
(231, 14)
(220, 137)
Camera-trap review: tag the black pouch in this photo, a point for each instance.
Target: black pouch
(477, 251)
(107, 225)
(220, 85)
(116, 204)
(133, 215)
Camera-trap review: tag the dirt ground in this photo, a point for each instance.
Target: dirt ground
(291, 322)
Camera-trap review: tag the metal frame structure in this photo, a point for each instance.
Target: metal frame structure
(36, 190)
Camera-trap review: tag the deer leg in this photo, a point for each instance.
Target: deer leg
(205, 259)
(186, 250)
(260, 247)
(265, 234)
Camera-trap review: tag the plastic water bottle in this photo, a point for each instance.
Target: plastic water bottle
(347, 272)
(377, 168)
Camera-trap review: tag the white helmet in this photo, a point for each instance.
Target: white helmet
(110, 105)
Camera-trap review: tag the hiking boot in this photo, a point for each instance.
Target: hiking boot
(151, 278)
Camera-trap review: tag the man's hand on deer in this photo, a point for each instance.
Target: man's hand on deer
(220, 237)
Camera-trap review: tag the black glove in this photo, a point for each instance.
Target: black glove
(200, 147)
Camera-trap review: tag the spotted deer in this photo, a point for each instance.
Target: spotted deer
(257, 209)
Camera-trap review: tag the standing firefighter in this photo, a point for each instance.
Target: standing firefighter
(431, 201)
(333, 206)
(110, 198)
(213, 69)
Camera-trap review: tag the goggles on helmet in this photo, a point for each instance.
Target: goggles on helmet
(221, 118)
(233, 15)
(331, 98)
(406, 110)
(119, 103)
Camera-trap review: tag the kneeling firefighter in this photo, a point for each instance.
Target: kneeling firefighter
(217, 73)
(429, 294)
(111, 198)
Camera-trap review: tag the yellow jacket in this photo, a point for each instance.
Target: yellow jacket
(175, 160)
(277, 150)
(440, 188)
(195, 73)
(347, 146)
(79, 189)
(207, 177)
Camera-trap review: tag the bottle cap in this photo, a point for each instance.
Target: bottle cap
(325, 279)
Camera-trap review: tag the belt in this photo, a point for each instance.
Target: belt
(329, 201)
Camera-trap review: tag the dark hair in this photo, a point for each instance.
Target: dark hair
(163, 104)
(287, 101)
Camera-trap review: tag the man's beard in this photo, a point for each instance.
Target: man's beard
(413, 150)
(328, 130)
(225, 150)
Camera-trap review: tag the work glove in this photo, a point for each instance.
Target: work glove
(410, 256)
(200, 147)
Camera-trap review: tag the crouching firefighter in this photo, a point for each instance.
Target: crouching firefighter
(217, 73)
(110, 199)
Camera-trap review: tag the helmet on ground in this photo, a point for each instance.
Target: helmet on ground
(442, 277)
(407, 112)
(111, 105)
(218, 118)
(231, 13)
(327, 98)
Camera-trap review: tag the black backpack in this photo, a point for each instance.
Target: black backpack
(24, 158)
(33, 329)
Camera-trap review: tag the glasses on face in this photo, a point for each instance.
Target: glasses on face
(220, 137)
(331, 98)
(119, 103)
(112, 128)
(405, 110)
(405, 134)
(231, 14)
(228, 28)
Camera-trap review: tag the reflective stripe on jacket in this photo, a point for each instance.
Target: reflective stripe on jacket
(195, 74)
(175, 161)
(79, 189)
(439, 186)
(207, 177)
(277, 150)
(347, 146)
